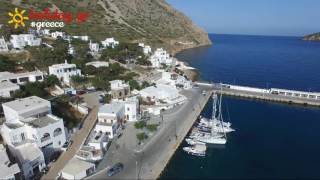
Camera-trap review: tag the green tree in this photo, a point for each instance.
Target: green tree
(140, 124)
(6, 64)
(141, 136)
(35, 89)
(100, 83)
(52, 80)
(134, 85)
(152, 127)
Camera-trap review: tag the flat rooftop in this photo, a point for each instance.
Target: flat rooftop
(112, 108)
(8, 75)
(40, 122)
(28, 103)
(7, 167)
(8, 85)
(76, 166)
(64, 65)
(28, 152)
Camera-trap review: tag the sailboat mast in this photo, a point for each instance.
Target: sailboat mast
(220, 114)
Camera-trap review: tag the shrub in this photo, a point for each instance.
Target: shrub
(139, 124)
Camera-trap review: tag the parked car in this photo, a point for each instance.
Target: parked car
(115, 169)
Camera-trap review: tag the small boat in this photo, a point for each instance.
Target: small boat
(196, 150)
(212, 140)
(208, 122)
(192, 141)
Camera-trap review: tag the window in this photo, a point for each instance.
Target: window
(24, 79)
(22, 137)
(38, 78)
(13, 80)
(57, 132)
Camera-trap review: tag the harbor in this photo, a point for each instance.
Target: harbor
(148, 161)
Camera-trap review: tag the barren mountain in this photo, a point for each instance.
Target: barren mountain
(154, 22)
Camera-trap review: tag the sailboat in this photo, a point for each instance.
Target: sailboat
(215, 137)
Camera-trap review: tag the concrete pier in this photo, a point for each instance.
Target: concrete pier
(286, 96)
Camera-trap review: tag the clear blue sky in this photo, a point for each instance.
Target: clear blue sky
(256, 17)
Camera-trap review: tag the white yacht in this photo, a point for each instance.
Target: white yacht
(196, 150)
(192, 141)
(218, 132)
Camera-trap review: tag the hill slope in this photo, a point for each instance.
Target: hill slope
(151, 21)
(312, 37)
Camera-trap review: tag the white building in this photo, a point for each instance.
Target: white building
(131, 108)
(21, 78)
(146, 49)
(8, 170)
(109, 42)
(7, 89)
(98, 64)
(57, 34)
(174, 80)
(77, 169)
(71, 49)
(30, 158)
(98, 140)
(119, 89)
(109, 118)
(29, 123)
(94, 47)
(22, 40)
(90, 153)
(64, 72)
(83, 38)
(162, 94)
(3, 45)
(159, 57)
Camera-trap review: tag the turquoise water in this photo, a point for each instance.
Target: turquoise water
(271, 140)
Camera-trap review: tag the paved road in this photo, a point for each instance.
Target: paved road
(78, 139)
(148, 162)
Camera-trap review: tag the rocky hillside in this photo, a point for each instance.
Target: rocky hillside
(312, 37)
(151, 21)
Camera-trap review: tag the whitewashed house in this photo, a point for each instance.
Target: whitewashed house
(94, 47)
(30, 159)
(3, 45)
(21, 78)
(57, 34)
(109, 42)
(98, 64)
(71, 49)
(31, 132)
(7, 89)
(22, 40)
(147, 50)
(64, 72)
(131, 108)
(8, 169)
(174, 80)
(83, 38)
(119, 89)
(77, 169)
(109, 118)
(159, 57)
(163, 94)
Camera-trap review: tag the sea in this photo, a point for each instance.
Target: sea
(271, 140)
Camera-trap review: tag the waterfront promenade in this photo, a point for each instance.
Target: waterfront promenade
(149, 160)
